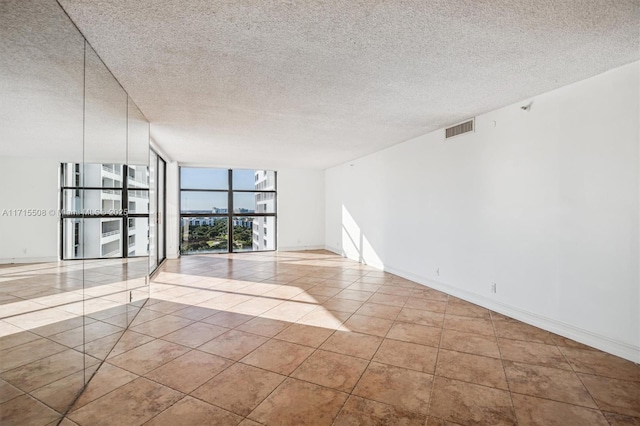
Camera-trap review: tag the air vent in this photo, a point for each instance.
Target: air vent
(459, 129)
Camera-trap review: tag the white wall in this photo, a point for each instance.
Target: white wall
(544, 203)
(301, 209)
(29, 183)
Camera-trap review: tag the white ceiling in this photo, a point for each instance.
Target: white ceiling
(311, 84)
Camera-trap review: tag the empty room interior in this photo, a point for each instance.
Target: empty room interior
(346, 212)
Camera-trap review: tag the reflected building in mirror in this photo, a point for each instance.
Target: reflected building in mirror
(264, 227)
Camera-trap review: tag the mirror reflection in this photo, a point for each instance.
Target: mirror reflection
(74, 208)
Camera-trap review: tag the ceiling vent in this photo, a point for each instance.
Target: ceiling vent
(459, 129)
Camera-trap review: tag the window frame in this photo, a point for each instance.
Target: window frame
(230, 215)
(124, 214)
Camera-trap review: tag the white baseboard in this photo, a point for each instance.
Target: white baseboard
(589, 338)
(9, 260)
(598, 341)
(334, 250)
(300, 248)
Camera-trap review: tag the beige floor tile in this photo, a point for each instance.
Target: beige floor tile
(465, 309)
(429, 293)
(228, 319)
(615, 419)
(8, 391)
(249, 422)
(60, 394)
(407, 355)
(100, 348)
(233, 344)
(306, 335)
(290, 311)
(404, 389)
(255, 306)
(190, 411)
(24, 410)
(189, 371)
(354, 344)
(379, 311)
(147, 314)
(297, 403)
(195, 334)
(360, 411)
(517, 330)
(416, 316)
(321, 317)
(532, 353)
(543, 412)
(28, 352)
(426, 304)
(107, 378)
(602, 364)
(342, 305)
(46, 370)
(549, 383)
(132, 404)
(332, 370)
(471, 343)
(614, 395)
(162, 326)
(467, 403)
(65, 422)
(395, 291)
(240, 388)
(129, 340)
(195, 313)
(18, 338)
(323, 290)
(360, 286)
(263, 326)
(278, 356)
(357, 295)
(388, 299)
(148, 357)
(86, 334)
(469, 324)
(301, 298)
(368, 325)
(476, 369)
(415, 333)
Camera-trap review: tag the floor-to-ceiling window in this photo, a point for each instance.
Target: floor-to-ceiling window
(224, 210)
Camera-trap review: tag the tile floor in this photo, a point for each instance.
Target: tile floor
(58, 321)
(312, 338)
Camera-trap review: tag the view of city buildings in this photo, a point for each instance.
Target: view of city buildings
(109, 219)
(252, 219)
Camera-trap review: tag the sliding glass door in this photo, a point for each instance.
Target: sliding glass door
(157, 206)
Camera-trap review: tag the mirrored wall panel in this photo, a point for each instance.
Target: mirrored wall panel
(74, 209)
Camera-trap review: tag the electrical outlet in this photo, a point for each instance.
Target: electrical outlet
(493, 287)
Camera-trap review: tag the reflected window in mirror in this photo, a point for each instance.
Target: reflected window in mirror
(104, 211)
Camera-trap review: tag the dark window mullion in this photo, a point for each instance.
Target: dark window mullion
(230, 212)
(124, 205)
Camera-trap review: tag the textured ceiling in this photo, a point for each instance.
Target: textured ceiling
(315, 83)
